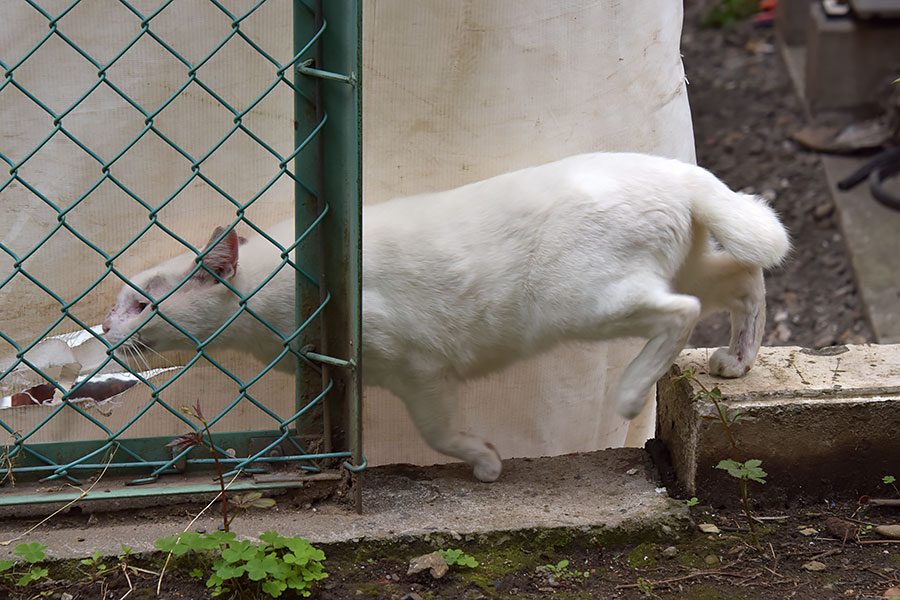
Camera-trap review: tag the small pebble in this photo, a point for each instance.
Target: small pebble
(814, 565)
(823, 211)
(889, 531)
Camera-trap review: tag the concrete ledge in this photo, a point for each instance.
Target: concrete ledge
(611, 493)
(826, 423)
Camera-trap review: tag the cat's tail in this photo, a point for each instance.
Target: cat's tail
(745, 225)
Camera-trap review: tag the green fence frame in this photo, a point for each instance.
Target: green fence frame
(326, 168)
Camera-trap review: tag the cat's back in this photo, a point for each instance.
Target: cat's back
(599, 177)
(596, 193)
(511, 263)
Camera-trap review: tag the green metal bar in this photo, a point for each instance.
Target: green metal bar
(322, 209)
(305, 165)
(342, 153)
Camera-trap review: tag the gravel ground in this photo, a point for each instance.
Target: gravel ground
(744, 109)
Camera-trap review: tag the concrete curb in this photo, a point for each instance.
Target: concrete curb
(612, 491)
(825, 423)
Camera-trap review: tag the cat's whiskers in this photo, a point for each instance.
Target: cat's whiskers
(132, 356)
(139, 356)
(144, 346)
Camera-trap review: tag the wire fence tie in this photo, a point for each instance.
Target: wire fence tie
(307, 352)
(304, 68)
(355, 468)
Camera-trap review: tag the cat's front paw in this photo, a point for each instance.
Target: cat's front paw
(488, 467)
(724, 364)
(630, 403)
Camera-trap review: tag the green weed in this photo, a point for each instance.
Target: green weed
(456, 557)
(31, 553)
(274, 565)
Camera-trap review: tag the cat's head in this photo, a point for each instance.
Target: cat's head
(199, 304)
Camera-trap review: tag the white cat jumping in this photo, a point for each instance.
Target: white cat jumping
(460, 283)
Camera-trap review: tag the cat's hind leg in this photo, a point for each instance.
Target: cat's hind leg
(723, 283)
(667, 320)
(748, 323)
(432, 405)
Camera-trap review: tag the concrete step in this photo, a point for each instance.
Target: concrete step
(609, 493)
(826, 423)
(872, 233)
(849, 62)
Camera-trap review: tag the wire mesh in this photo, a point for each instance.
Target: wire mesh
(117, 448)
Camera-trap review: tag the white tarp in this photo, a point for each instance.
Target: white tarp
(454, 91)
(462, 90)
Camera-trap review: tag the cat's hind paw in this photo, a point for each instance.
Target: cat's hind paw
(724, 364)
(488, 467)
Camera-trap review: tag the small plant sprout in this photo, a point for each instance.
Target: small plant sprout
(455, 557)
(195, 438)
(31, 553)
(891, 481)
(646, 586)
(727, 417)
(95, 564)
(561, 572)
(692, 501)
(745, 472)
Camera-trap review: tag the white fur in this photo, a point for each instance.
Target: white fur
(459, 283)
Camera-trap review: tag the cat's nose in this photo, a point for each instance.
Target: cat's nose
(106, 324)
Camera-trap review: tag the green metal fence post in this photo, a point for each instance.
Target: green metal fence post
(335, 72)
(308, 115)
(342, 152)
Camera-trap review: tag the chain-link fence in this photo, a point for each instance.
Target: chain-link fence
(131, 128)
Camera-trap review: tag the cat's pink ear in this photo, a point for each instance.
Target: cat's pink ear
(222, 258)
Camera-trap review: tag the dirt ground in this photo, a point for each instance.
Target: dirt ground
(744, 110)
(821, 552)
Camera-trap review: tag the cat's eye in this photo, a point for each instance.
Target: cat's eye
(141, 306)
